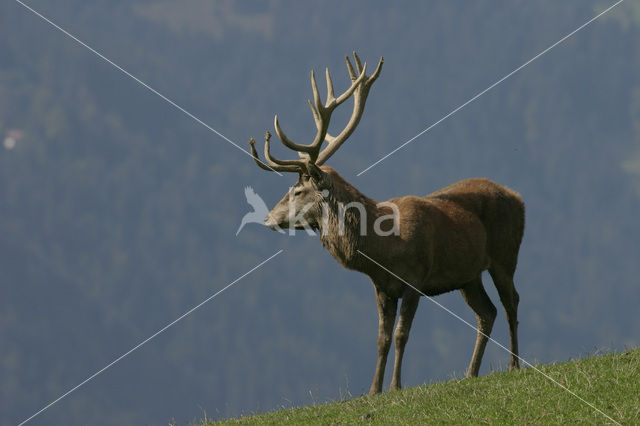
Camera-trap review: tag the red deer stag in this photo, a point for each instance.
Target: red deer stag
(441, 242)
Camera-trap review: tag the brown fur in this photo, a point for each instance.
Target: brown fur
(446, 240)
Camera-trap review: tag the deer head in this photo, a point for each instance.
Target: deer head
(301, 206)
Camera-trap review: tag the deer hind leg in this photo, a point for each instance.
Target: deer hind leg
(387, 307)
(475, 296)
(401, 335)
(509, 298)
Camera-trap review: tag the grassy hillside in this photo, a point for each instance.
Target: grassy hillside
(609, 382)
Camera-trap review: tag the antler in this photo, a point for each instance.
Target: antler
(360, 86)
(359, 100)
(274, 165)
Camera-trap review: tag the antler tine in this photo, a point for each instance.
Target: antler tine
(274, 165)
(254, 154)
(285, 140)
(330, 95)
(316, 93)
(274, 161)
(359, 100)
(352, 73)
(376, 73)
(288, 142)
(353, 87)
(358, 63)
(316, 114)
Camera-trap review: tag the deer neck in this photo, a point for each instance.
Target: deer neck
(347, 225)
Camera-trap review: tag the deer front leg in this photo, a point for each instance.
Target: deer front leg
(387, 307)
(401, 335)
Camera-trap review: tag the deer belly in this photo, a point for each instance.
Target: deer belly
(459, 258)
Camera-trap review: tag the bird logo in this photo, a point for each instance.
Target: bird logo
(260, 209)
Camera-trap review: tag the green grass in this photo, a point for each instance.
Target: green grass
(609, 382)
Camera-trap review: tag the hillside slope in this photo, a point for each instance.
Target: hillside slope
(609, 382)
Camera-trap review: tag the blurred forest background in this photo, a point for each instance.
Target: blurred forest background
(118, 212)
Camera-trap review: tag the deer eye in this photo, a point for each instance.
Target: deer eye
(297, 192)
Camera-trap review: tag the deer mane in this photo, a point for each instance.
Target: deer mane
(344, 245)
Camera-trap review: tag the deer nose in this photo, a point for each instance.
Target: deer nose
(269, 221)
